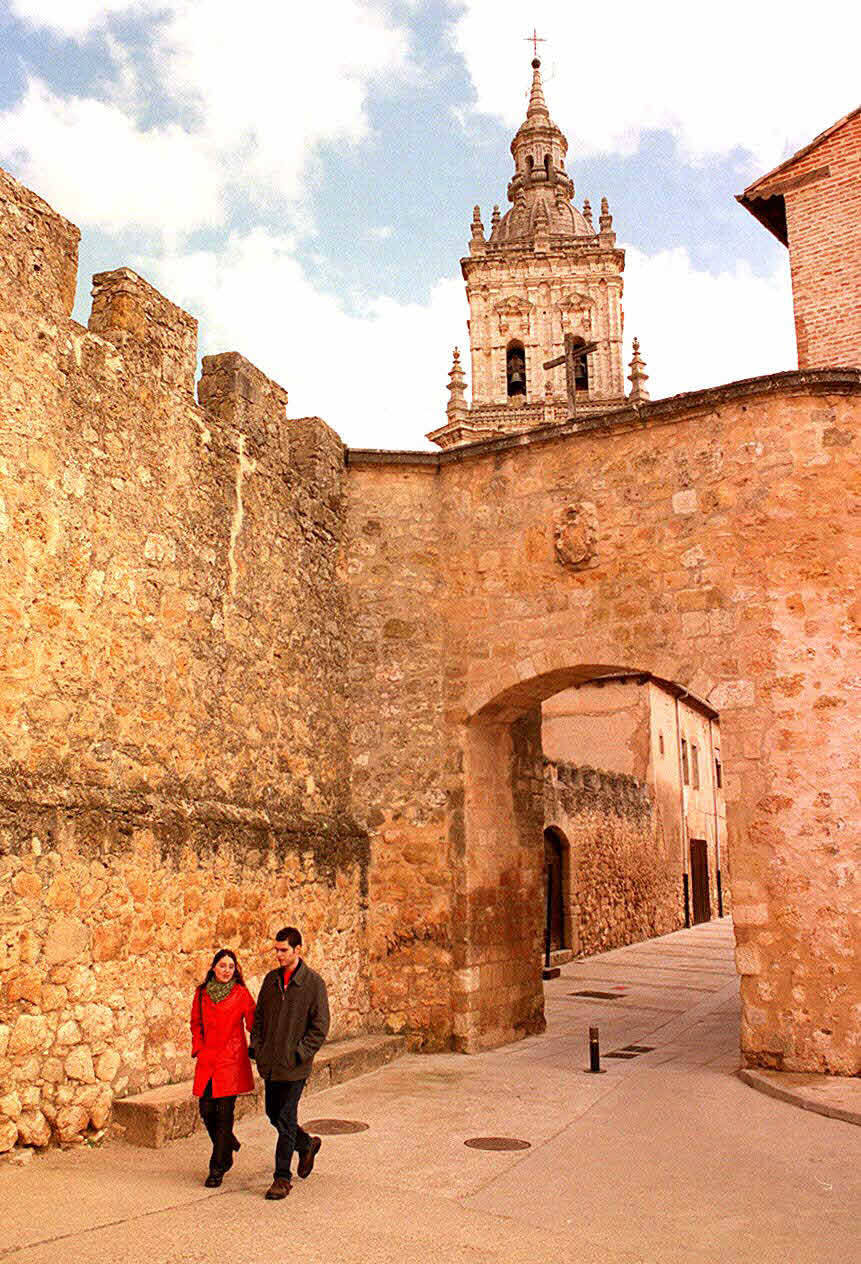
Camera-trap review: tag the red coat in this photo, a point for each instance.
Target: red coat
(219, 1043)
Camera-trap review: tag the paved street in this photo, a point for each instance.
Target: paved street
(667, 1157)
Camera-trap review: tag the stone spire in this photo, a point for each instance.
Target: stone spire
(537, 104)
(541, 189)
(637, 377)
(587, 213)
(456, 409)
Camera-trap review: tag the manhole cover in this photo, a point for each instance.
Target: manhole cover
(598, 996)
(496, 1143)
(335, 1127)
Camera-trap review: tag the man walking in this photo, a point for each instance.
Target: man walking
(290, 1024)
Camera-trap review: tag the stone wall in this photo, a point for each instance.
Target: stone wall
(624, 877)
(112, 922)
(391, 568)
(173, 747)
(707, 540)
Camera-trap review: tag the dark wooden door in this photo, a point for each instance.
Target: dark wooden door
(553, 877)
(702, 908)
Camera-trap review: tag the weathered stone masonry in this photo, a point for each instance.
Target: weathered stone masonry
(248, 678)
(725, 561)
(173, 747)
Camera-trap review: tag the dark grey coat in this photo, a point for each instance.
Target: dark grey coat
(290, 1024)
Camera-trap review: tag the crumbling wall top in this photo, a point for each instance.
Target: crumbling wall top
(38, 253)
(130, 313)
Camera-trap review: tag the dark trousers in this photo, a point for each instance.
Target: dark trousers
(217, 1115)
(282, 1104)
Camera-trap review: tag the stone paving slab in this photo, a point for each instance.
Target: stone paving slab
(837, 1096)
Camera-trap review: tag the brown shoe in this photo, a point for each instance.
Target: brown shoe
(306, 1160)
(279, 1188)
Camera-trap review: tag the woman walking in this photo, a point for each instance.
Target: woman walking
(221, 1005)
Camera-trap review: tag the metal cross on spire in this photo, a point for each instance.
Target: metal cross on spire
(535, 39)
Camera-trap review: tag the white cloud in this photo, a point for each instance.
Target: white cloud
(378, 378)
(259, 96)
(697, 329)
(716, 77)
(90, 161)
(74, 18)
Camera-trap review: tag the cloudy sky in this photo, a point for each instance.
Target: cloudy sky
(301, 177)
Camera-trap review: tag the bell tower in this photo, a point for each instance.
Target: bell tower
(543, 272)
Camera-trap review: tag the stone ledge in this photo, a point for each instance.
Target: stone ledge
(836, 381)
(837, 1096)
(160, 1115)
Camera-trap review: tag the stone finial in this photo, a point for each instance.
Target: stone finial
(605, 220)
(494, 218)
(587, 214)
(476, 241)
(638, 377)
(456, 409)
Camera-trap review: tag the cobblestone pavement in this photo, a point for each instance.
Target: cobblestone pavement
(666, 1157)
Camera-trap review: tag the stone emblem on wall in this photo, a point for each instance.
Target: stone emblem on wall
(576, 536)
(513, 314)
(577, 308)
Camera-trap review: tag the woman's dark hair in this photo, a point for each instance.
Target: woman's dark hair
(223, 952)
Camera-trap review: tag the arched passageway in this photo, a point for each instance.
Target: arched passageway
(702, 540)
(511, 883)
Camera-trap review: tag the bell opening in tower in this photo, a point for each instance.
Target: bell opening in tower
(515, 367)
(581, 367)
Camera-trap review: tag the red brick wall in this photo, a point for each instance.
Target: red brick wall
(824, 227)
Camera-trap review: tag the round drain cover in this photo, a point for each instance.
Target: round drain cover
(497, 1143)
(335, 1127)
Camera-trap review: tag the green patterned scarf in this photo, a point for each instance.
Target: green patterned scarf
(217, 991)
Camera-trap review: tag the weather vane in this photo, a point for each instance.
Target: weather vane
(535, 39)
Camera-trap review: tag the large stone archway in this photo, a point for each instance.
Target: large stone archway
(706, 540)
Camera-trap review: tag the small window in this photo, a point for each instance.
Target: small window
(547, 163)
(530, 162)
(686, 777)
(695, 767)
(661, 743)
(515, 369)
(718, 774)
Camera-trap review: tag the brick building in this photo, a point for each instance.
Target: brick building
(812, 204)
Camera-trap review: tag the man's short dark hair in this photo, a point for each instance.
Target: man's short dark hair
(291, 934)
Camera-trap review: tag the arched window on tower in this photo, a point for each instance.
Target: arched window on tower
(547, 164)
(515, 369)
(530, 162)
(581, 368)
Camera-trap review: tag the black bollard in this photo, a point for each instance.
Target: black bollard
(594, 1052)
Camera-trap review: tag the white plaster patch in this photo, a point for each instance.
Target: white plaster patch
(244, 465)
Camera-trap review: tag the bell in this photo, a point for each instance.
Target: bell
(516, 377)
